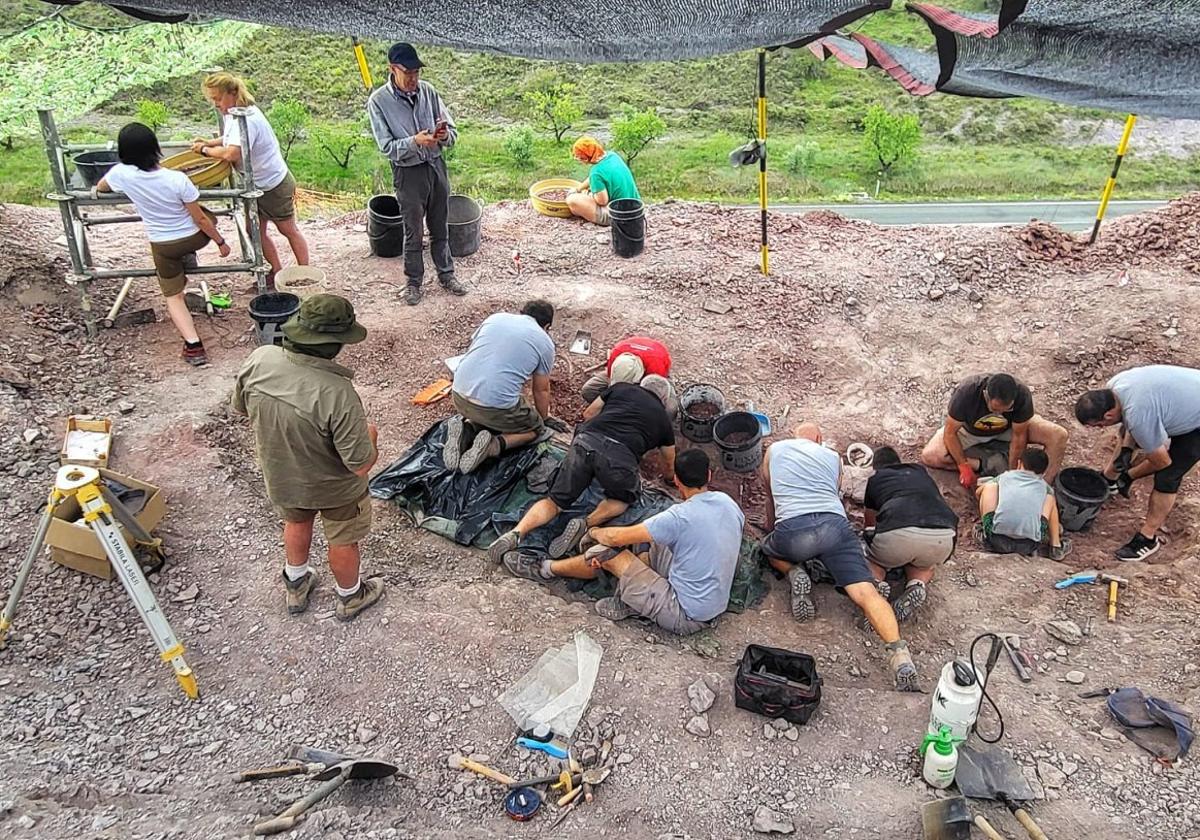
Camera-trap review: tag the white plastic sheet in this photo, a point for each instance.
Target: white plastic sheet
(557, 689)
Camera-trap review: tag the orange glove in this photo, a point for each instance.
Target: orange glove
(966, 476)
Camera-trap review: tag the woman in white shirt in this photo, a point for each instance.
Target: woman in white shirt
(271, 175)
(176, 224)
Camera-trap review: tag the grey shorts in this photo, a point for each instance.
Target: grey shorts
(647, 589)
(968, 440)
(922, 548)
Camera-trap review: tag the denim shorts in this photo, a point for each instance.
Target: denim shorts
(825, 540)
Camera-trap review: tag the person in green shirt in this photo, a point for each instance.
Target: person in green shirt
(609, 180)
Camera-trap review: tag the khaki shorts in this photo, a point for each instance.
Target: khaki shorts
(168, 260)
(522, 417)
(922, 548)
(968, 440)
(345, 525)
(279, 203)
(647, 589)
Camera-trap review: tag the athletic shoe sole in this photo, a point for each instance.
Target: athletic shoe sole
(452, 448)
(503, 545)
(477, 453)
(803, 609)
(568, 540)
(909, 602)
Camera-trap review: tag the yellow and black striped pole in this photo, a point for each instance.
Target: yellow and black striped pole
(363, 69)
(764, 256)
(1112, 179)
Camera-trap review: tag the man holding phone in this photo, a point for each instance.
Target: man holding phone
(411, 126)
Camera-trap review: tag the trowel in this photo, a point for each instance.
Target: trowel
(950, 819)
(582, 345)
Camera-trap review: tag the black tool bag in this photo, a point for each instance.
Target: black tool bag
(777, 683)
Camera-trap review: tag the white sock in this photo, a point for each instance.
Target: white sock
(545, 570)
(295, 573)
(346, 593)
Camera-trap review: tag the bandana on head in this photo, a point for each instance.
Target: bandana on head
(588, 149)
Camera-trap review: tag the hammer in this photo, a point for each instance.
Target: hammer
(1113, 581)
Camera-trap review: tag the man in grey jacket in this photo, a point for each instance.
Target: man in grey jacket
(411, 126)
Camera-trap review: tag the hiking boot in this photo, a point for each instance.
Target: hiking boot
(568, 541)
(450, 284)
(1058, 553)
(298, 592)
(904, 672)
(412, 294)
(195, 356)
(369, 592)
(452, 448)
(803, 609)
(1139, 548)
(909, 601)
(503, 545)
(884, 588)
(525, 566)
(614, 609)
(486, 445)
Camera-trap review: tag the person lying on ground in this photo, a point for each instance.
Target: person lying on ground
(277, 204)
(676, 568)
(1159, 407)
(1018, 510)
(910, 527)
(176, 225)
(629, 360)
(315, 447)
(620, 426)
(807, 522)
(987, 408)
(507, 352)
(608, 181)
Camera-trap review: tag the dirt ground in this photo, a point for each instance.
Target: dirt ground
(860, 328)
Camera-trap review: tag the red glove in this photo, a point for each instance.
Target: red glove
(966, 476)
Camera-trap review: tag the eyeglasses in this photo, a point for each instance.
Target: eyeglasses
(404, 71)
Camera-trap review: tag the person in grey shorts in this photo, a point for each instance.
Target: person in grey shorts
(914, 529)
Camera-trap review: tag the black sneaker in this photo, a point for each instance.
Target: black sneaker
(1139, 548)
(524, 566)
(568, 540)
(505, 543)
(412, 294)
(450, 284)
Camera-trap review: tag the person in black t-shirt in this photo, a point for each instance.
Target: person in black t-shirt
(914, 528)
(620, 426)
(985, 408)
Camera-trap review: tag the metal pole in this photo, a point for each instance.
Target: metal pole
(363, 69)
(764, 255)
(249, 198)
(72, 223)
(1112, 179)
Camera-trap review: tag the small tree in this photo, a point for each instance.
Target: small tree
(340, 143)
(891, 138)
(518, 144)
(289, 118)
(151, 114)
(555, 106)
(635, 130)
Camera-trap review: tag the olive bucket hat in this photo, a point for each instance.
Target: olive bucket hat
(324, 319)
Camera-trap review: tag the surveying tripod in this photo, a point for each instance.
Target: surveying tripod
(102, 511)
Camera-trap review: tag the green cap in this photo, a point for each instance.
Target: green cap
(324, 319)
(943, 742)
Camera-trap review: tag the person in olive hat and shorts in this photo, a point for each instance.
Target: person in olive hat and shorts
(315, 447)
(411, 126)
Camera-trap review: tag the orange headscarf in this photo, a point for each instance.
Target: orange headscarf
(587, 149)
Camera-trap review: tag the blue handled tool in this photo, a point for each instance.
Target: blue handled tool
(1081, 577)
(548, 747)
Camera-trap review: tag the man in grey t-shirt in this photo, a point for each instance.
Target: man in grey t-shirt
(1159, 409)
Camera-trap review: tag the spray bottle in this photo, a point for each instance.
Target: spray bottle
(942, 761)
(955, 702)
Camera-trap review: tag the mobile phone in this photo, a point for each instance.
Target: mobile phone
(440, 128)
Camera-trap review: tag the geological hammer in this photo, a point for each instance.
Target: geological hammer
(1114, 582)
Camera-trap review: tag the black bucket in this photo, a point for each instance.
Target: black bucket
(628, 219)
(465, 220)
(695, 419)
(92, 166)
(385, 227)
(738, 436)
(1080, 493)
(270, 312)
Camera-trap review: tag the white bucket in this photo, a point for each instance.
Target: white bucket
(301, 280)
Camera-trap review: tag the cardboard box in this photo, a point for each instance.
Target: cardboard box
(74, 544)
(88, 441)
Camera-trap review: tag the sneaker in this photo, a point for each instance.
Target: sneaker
(450, 284)
(803, 609)
(524, 566)
(1139, 548)
(369, 592)
(568, 541)
(412, 294)
(298, 592)
(884, 588)
(904, 672)
(486, 445)
(614, 609)
(195, 356)
(502, 546)
(1059, 553)
(452, 448)
(909, 601)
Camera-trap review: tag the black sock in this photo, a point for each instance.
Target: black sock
(192, 345)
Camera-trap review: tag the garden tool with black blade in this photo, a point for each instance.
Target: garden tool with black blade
(950, 819)
(992, 774)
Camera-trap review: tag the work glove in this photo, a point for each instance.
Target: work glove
(556, 425)
(1121, 484)
(966, 476)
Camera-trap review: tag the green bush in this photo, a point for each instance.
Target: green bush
(634, 130)
(518, 145)
(801, 159)
(289, 118)
(152, 114)
(554, 106)
(891, 138)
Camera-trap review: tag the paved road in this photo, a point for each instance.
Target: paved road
(1071, 215)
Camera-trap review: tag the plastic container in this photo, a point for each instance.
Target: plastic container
(695, 422)
(627, 217)
(92, 166)
(465, 221)
(300, 280)
(205, 172)
(385, 226)
(956, 699)
(270, 312)
(556, 208)
(1080, 493)
(738, 436)
(941, 762)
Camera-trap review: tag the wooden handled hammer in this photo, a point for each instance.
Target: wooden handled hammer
(1114, 582)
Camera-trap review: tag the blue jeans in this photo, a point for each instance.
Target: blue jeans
(821, 542)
